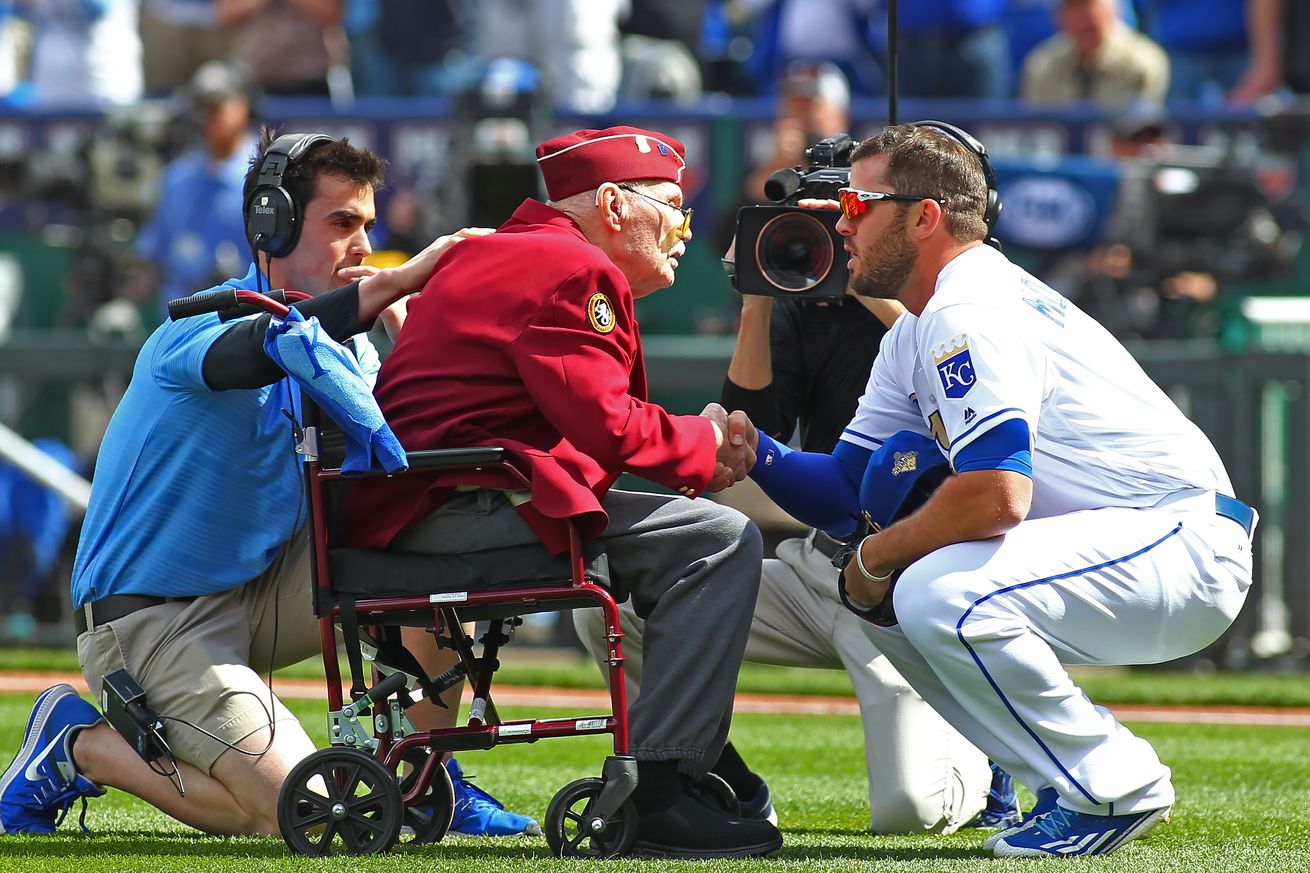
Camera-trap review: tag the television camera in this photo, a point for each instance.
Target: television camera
(788, 251)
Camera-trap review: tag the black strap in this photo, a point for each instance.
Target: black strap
(354, 655)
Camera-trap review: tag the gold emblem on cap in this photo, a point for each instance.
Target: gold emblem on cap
(904, 462)
(600, 313)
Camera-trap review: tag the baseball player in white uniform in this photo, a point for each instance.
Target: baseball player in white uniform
(1088, 521)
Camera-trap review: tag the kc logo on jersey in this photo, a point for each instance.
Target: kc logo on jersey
(955, 367)
(600, 313)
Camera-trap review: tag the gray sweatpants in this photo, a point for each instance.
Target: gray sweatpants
(692, 568)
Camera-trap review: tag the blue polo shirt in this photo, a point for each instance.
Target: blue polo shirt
(195, 490)
(197, 235)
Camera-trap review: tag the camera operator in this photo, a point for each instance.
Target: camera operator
(196, 235)
(814, 101)
(1116, 283)
(1187, 223)
(805, 360)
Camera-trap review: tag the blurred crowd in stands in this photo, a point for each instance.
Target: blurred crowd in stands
(592, 53)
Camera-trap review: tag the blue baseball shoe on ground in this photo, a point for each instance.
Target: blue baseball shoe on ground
(41, 784)
(1063, 833)
(478, 814)
(1002, 810)
(1046, 799)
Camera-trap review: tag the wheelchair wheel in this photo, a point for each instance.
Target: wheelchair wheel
(712, 789)
(339, 799)
(428, 818)
(572, 832)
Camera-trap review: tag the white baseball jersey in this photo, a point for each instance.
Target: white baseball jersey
(995, 344)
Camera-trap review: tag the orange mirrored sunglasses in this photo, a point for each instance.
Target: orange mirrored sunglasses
(855, 202)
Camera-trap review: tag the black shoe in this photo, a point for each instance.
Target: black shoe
(691, 828)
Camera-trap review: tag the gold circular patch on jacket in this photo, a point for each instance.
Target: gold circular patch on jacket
(600, 313)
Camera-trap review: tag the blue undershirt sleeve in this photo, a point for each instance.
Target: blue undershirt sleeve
(1004, 447)
(820, 490)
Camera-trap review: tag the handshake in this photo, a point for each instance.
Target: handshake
(736, 440)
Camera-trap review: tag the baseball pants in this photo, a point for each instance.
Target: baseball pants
(923, 776)
(986, 628)
(692, 568)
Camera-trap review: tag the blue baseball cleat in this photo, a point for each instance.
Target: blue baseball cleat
(1046, 799)
(1002, 810)
(478, 814)
(1063, 833)
(41, 784)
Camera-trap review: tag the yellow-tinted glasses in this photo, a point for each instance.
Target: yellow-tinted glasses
(855, 202)
(685, 227)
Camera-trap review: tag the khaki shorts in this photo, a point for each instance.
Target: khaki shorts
(206, 661)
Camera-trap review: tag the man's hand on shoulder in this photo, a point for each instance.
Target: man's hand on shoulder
(384, 287)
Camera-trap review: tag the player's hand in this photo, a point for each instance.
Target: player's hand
(862, 591)
(735, 439)
(742, 432)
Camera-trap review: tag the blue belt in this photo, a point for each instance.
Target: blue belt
(1231, 507)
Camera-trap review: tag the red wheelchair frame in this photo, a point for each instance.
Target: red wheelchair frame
(358, 794)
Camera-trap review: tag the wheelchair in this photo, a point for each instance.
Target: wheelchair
(380, 775)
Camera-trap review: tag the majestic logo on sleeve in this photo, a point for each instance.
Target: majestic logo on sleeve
(904, 462)
(954, 366)
(600, 313)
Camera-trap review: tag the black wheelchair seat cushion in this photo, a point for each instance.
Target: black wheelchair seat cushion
(377, 573)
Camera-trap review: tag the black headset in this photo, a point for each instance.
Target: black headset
(971, 142)
(272, 215)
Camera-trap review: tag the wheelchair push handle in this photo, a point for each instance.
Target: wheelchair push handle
(234, 303)
(198, 304)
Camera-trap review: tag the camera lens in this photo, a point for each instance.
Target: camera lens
(794, 252)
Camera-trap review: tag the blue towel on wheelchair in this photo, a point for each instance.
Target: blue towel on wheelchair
(328, 372)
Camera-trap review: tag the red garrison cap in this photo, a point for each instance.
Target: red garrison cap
(586, 159)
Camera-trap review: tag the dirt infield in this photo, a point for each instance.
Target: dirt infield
(796, 704)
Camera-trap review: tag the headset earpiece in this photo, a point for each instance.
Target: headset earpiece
(992, 211)
(272, 215)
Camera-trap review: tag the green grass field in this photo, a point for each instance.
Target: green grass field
(1243, 795)
(522, 665)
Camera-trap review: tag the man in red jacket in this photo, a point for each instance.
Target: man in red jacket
(526, 338)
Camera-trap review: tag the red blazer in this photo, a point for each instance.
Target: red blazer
(526, 338)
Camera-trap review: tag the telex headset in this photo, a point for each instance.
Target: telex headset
(972, 144)
(272, 214)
